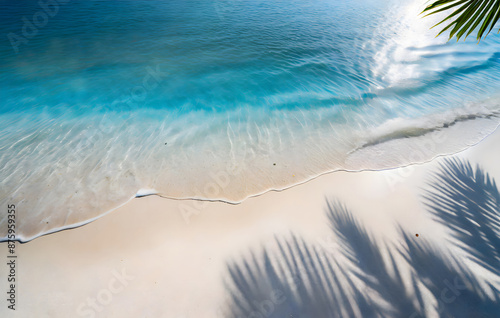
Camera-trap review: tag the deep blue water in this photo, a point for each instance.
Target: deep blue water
(106, 97)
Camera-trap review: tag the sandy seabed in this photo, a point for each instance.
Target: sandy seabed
(409, 242)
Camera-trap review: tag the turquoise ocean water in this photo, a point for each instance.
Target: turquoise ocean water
(223, 99)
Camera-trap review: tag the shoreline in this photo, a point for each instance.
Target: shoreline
(141, 193)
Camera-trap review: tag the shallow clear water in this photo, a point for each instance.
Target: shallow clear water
(223, 99)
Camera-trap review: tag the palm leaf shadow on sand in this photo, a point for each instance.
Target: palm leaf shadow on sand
(303, 277)
(467, 201)
(298, 279)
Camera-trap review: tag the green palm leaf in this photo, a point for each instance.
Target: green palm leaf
(469, 15)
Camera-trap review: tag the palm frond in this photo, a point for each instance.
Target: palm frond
(468, 16)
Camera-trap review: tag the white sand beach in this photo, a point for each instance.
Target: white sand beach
(151, 258)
